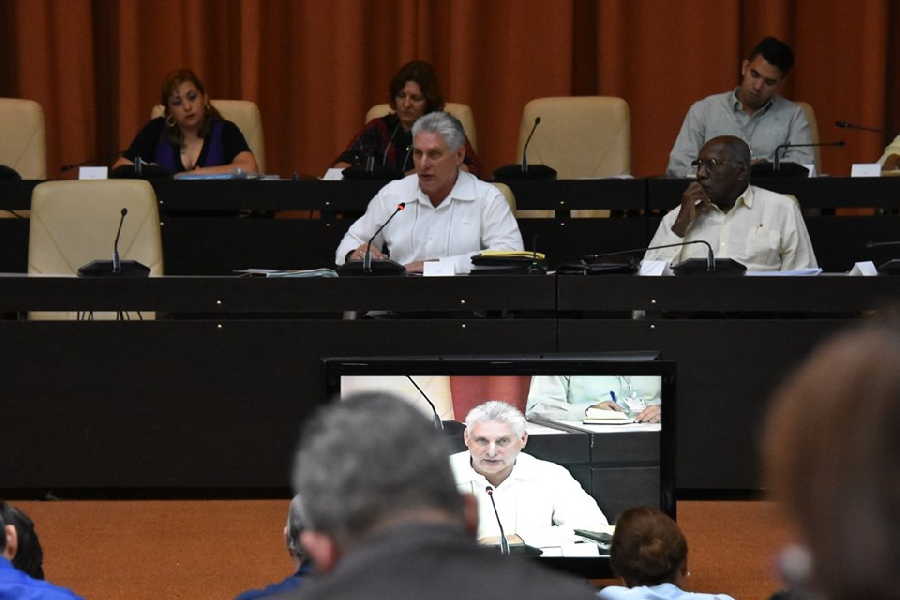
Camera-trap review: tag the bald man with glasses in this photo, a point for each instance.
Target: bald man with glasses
(760, 229)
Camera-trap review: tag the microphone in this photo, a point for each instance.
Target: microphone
(690, 266)
(438, 424)
(846, 125)
(367, 258)
(117, 263)
(537, 121)
(521, 171)
(504, 543)
(880, 244)
(115, 267)
(780, 147)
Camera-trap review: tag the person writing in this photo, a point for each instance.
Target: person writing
(192, 136)
(448, 212)
(760, 229)
(413, 92)
(567, 397)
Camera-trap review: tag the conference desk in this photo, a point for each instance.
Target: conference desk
(212, 392)
(213, 227)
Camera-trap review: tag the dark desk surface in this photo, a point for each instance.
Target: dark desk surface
(823, 294)
(817, 295)
(224, 295)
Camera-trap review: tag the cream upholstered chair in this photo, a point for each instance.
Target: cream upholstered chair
(22, 129)
(75, 222)
(580, 137)
(245, 114)
(461, 111)
(507, 194)
(813, 132)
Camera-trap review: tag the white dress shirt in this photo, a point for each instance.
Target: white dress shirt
(763, 231)
(474, 217)
(540, 501)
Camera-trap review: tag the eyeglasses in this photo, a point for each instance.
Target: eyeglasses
(710, 164)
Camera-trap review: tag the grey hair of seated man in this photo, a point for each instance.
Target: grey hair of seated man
(494, 410)
(292, 529)
(368, 460)
(443, 124)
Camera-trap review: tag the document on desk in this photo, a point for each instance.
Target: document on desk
(794, 273)
(310, 273)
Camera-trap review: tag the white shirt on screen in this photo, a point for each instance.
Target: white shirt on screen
(540, 501)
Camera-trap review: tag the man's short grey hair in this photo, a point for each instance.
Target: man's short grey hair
(370, 458)
(494, 410)
(443, 124)
(294, 527)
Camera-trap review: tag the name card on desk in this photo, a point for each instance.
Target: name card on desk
(93, 172)
(653, 268)
(865, 170)
(333, 175)
(863, 269)
(438, 268)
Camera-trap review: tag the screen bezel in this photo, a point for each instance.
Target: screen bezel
(626, 363)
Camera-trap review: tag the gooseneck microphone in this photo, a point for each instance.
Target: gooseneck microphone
(115, 267)
(710, 258)
(438, 424)
(780, 147)
(117, 263)
(846, 125)
(504, 543)
(367, 258)
(537, 121)
(521, 171)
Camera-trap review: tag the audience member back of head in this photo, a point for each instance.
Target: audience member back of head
(384, 518)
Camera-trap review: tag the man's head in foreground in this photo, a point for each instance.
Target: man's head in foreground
(365, 464)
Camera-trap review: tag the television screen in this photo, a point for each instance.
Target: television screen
(597, 439)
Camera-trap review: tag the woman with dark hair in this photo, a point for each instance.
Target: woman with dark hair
(649, 553)
(413, 92)
(26, 554)
(832, 456)
(192, 135)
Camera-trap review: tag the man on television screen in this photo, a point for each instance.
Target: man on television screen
(538, 501)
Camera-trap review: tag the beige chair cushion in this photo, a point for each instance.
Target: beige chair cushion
(813, 132)
(246, 116)
(22, 130)
(74, 222)
(461, 111)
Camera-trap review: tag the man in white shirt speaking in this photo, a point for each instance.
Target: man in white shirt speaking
(448, 212)
(537, 500)
(760, 229)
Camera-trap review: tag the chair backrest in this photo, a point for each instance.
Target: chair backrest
(813, 132)
(245, 114)
(463, 112)
(24, 146)
(580, 136)
(75, 222)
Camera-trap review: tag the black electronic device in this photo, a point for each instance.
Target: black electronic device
(115, 267)
(368, 266)
(634, 460)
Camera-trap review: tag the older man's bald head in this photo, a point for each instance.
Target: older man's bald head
(737, 148)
